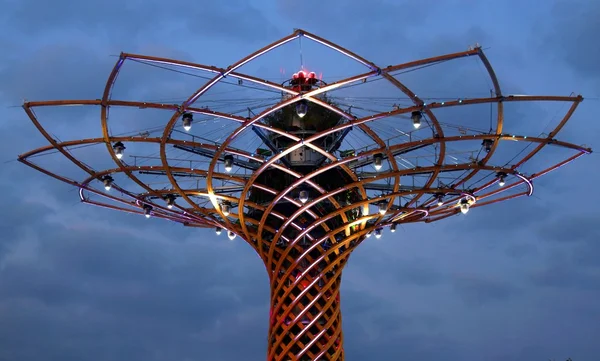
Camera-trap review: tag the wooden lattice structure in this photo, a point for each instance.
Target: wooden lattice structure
(303, 217)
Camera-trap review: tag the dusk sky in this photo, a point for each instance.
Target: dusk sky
(514, 281)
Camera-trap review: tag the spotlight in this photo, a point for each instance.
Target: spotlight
(218, 231)
(440, 201)
(170, 199)
(187, 119)
(487, 144)
(378, 233)
(225, 208)
(416, 118)
(382, 208)
(147, 210)
(119, 149)
(108, 181)
(377, 161)
(301, 108)
(303, 197)
(501, 179)
(464, 206)
(228, 163)
(231, 235)
(393, 228)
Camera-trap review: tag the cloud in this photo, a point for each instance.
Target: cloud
(574, 259)
(574, 34)
(477, 291)
(565, 276)
(135, 287)
(117, 21)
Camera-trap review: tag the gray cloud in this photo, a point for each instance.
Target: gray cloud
(118, 21)
(126, 287)
(573, 35)
(574, 260)
(565, 276)
(478, 291)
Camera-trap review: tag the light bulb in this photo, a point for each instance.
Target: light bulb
(464, 206)
(119, 149)
(382, 208)
(228, 163)
(368, 234)
(301, 108)
(231, 235)
(218, 231)
(501, 182)
(440, 201)
(393, 228)
(107, 180)
(416, 118)
(377, 161)
(303, 197)
(147, 211)
(378, 233)
(187, 119)
(170, 201)
(225, 209)
(487, 144)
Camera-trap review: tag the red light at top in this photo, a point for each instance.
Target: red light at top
(302, 75)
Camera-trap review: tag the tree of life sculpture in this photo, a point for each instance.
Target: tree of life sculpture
(305, 198)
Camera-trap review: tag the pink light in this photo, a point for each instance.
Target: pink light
(311, 322)
(320, 355)
(311, 343)
(204, 89)
(529, 183)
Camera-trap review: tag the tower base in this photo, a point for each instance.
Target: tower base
(305, 314)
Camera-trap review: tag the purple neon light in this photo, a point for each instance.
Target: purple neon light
(526, 180)
(311, 343)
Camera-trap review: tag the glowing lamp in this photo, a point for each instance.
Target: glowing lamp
(382, 208)
(377, 161)
(187, 119)
(303, 197)
(108, 181)
(225, 208)
(464, 206)
(119, 149)
(147, 210)
(170, 199)
(416, 118)
(301, 108)
(228, 163)
(231, 235)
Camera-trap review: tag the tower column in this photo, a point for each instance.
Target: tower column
(305, 315)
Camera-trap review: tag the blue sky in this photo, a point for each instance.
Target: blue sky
(518, 280)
